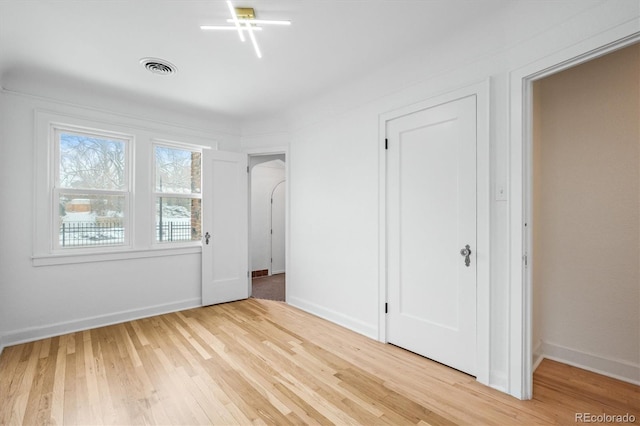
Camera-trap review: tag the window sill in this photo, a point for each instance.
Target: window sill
(71, 258)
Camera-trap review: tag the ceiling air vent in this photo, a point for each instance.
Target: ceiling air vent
(158, 66)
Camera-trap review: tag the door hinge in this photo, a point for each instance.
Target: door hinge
(247, 274)
(247, 169)
(386, 308)
(525, 260)
(386, 143)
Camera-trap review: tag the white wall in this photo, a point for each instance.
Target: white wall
(334, 224)
(264, 177)
(37, 301)
(586, 276)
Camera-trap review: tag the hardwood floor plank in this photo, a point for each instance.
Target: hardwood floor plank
(109, 374)
(390, 399)
(128, 344)
(314, 371)
(37, 393)
(236, 360)
(19, 407)
(301, 407)
(139, 333)
(69, 408)
(45, 348)
(316, 401)
(13, 370)
(158, 402)
(57, 398)
(71, 343)
(46, 377)
(264, 362)
(246, 401)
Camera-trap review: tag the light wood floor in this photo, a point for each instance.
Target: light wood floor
(264, 362)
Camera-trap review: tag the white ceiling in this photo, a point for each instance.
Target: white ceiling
(98, 44)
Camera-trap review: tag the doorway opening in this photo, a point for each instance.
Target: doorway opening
(268, 226)
(583, 215)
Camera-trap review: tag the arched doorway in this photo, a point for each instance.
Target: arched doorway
(267, 226)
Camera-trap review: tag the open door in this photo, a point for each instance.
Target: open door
(225, 227)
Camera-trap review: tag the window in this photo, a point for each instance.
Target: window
(178, 198)
(91, 191)
(107, 187)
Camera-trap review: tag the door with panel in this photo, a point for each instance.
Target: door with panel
(431, 232)
(225, 226)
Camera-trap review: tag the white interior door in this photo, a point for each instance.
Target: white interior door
(431, 213)
(277, 228)
(225, 253)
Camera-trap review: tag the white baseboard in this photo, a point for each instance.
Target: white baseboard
(537, 357)
(335, 317)
(617, 369)
(277, 272)
(498, 380)
(1, 345)
(36, 333)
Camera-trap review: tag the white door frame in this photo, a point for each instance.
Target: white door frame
(257, 152)
(481, 90)
(271, 222)
(521, 196)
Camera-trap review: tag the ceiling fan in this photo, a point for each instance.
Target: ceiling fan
(244, 20)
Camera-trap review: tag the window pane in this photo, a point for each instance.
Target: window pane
(91, 220)
(177, 170)
(178, 219)
(88, 162)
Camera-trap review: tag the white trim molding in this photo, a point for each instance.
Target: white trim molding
(36, 333)
(335, 317)
(521, 362)
(267, 150)
(615, 368)
(79, 257)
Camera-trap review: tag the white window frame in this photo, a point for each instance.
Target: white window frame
(141, 134)
(56, 129)
(156, 194)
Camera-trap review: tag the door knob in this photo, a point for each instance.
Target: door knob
(206, 238)
(466, 252)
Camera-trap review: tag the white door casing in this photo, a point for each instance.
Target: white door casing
(431, 216)
(278, 202)
(225, 258)
(520, 236)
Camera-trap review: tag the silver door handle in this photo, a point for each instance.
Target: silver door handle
(466, 252)
(206, 238)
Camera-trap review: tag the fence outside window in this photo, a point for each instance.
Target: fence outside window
(88, 234)
(173, 231)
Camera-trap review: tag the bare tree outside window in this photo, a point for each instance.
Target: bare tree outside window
(174, 170)
(91, 188)
(91, 163)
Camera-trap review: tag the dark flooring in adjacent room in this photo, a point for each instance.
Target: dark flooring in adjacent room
(270, 288)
